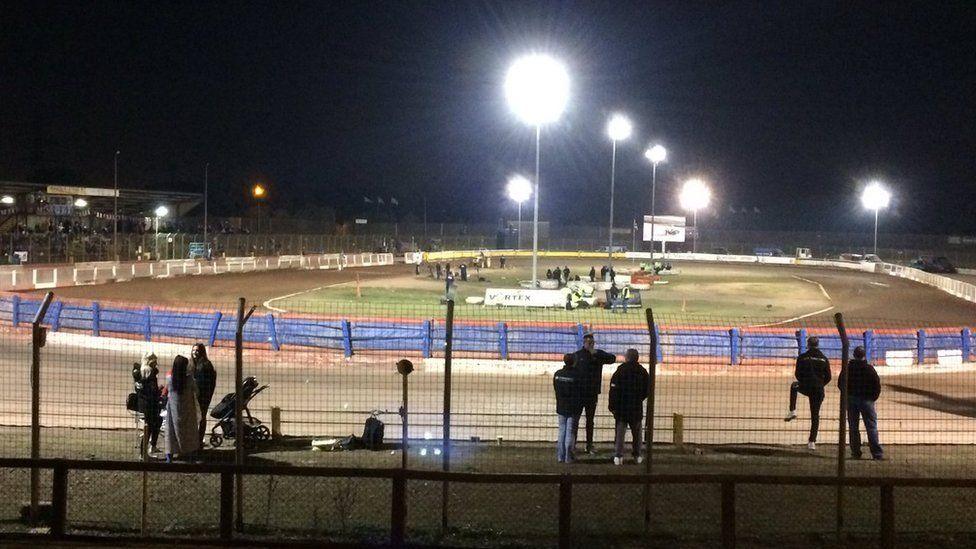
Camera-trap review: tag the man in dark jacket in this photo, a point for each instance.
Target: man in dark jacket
(566, 383)
(628, 389)
(863, 389)
(590, 362)
(592, 274)
(812, 374)
(206, 377)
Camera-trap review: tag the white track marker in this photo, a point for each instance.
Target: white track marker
(267, 304)
(882, 284)
(822, 290)
(788, 320)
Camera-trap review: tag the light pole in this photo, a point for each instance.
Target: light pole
(874, 197)
(695, 195)
(537, 90)
(258, 192)
(115, 210)
(519, 190)
(656, 155)
(206, 188)
(161, 211)
(618, 128)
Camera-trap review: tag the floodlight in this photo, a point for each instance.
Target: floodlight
(81, 203)
(656, 154)
(875, 196)
(162, 211)
(695, 195)
(619, 127)
(7, 199)
(258, 191)
(519, 189)
(537, 89)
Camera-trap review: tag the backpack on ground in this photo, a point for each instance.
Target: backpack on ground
(373, 433)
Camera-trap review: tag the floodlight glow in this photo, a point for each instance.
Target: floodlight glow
(656, 154)
(81, 203)
(537, 89)
(875, 196)
(695, 195)
(258, 191)
(519, 189)
(7, 199)
(619, 127)
(162, 211)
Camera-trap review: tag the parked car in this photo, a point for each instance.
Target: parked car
(938, 264)
(768, 252)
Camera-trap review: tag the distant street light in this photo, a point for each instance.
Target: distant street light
(537, 91)
(875, 197)
(694, 196)
(259, 192)
(161, 211)
(519, 189)
(81, 203)
(7, 199)
(656, 155)
(618, 128)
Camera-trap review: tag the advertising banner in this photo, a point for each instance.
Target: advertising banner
(667, 228)
(524, 297)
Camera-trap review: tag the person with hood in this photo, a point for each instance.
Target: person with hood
(812, 374)
(566, 384)
(863, 390)
(566, 273)
(592, 274)
(182, 411)
(146, 377)
(206, 378)
(590, 362)
(628, 389)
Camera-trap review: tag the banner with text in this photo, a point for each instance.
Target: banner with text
(667, 228)
(523, 297)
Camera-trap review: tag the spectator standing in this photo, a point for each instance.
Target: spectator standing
(146, 377)
(628, 389)
(566, 384)
(182, 411)
(206, 378)
(812, 374)
(592, 274)
(590, 362)
(863, 390)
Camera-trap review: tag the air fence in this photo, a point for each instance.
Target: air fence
(480, 402)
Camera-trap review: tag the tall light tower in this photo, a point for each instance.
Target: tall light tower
(694, 196)
(519, 189)
(618, 128)
(874, 197)
(537, 90)
(656, 154)
(115, 211)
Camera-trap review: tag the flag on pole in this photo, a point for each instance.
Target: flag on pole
(379, 200)
(394, 201)
(367, 200)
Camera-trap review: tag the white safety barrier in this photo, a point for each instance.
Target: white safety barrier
(29, 277)
(958, 288)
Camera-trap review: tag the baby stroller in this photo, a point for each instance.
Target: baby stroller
(223, 412)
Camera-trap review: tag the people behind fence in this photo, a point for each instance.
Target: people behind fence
(206, 378)
(863, 389)
(590, 362)
(567, 384)
(628, 390)
(812, 374)
(182, 437)
(149, 397)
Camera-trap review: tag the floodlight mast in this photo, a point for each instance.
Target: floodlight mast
(695, 195)
(519, 190)
(874, 197)
(656, 155)
(618, 128)
(537, 90)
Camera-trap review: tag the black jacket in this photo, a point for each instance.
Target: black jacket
(206, 378)
(812, 370)
(591, 369)
(566, 383)
(628, 389)
(864, 381)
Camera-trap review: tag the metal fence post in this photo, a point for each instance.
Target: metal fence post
(565, 511)
(446, 453)
(38, 338)
(845, 346)
(728, 515)
(887, 516)
(242, 319)
(921, 347)
(398, 509)
(59, 500)
(967, 344)
(226, 505)
(734, 346)
(652, 359)
(503, 340)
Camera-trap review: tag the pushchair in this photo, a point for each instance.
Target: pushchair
(223, 412)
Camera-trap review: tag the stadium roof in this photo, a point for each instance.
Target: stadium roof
(132, 202)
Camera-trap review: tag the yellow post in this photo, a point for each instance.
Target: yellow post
(678, 430)
(276, 422)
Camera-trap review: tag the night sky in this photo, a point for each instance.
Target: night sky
(785, 108)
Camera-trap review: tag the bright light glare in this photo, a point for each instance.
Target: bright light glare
(258, 191)
(81, 203)
(656, 154)
(7, 199)
(537, 89)
(519, 188)
(162, 211)
(695, 195)
(875, 196)
(619, 127)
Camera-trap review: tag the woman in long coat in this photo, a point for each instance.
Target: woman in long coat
(182, 411)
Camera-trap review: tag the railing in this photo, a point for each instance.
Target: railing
(61, 469)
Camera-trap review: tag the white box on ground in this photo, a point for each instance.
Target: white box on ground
(899, 358)
(520, 297)
(950, 357)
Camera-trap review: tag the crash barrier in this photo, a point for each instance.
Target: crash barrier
(232, 526)
(29, 277)
(958, 288)
(505, 340)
